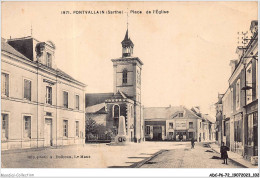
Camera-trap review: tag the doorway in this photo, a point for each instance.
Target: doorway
(48, 132)
(157, 132)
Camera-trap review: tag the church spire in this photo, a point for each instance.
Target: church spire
(126, 35)
(127, 44)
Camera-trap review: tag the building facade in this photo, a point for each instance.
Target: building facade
(41, 105)
(175, 124)
(219, 119)
(125, 99)
(240, 101)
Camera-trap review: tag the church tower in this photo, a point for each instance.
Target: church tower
(127, 80)
(127, 71)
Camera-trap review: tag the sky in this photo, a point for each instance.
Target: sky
(186, 52)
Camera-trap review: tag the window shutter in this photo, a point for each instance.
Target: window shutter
(50, 97)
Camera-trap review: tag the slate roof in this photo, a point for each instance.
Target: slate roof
(165, 113)
(96, 98)
(92, 99)
(127, 41)
(62, 73)
(120, 95)
(98, 108)
(155, 113)
(8, 48)
(209, 118)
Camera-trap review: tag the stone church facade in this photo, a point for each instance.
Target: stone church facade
(105, 108)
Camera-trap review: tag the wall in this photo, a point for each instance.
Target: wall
(17, 107)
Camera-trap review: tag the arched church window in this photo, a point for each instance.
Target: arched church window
(116, 111)
(124, 76)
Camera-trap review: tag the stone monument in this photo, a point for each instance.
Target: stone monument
(121, 139)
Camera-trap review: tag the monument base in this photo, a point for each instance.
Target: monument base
(120, 140)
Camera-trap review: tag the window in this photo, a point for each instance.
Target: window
(170, 125)
(77, 102)
(4, 133)
(27, 127)
(48, 95)
(48, 59)
(77, 128)
(116, 112)
(238, 130)
(124, 76)
(27, 89)
(200, 124)
(190, 125)
(65, 99)
(232, 100)
(238, 94)
(224, 128)
(250, 130)
(180, 114)
(249, 83)
(190, 135)
(147, 129)
(65, 128)
(5, 84)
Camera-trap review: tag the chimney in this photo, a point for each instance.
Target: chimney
(197, 107)
(233, 64)
(220, 96)
(240, 51)
(254, 26)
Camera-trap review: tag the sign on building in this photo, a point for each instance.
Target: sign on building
(181, 125)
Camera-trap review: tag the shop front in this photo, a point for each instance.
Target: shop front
(238, 134)
(155, 130)
(251, 130)
(181, 135)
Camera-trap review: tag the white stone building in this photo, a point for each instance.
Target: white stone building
(40, 104)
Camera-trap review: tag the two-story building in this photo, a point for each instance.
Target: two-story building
(40, 104)
(219, 120)
(175, 123)
(240, 101)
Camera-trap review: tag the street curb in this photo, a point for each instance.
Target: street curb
(240, 164)
(139, 164)
(24, 150)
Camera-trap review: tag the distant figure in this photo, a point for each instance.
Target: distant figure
(180, 137)
(192, 143)
(184, 137)
(223, 150)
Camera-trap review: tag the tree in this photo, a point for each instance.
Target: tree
(93, 130)
(90, 126)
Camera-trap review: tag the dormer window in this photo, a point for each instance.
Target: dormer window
(49, 59)
(180, 114)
